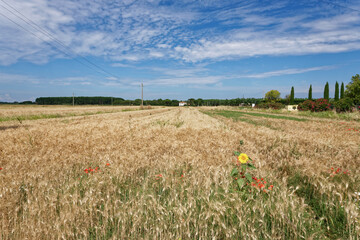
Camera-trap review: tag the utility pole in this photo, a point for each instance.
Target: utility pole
(142, 95)
(73, 100)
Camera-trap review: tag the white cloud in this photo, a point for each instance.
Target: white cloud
(268, 43)
(140, 30)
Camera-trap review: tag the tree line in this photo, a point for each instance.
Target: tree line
(349, 95)
(352, 92)
(155, 102)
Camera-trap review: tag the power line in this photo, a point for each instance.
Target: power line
(46, 33)
(44, 40)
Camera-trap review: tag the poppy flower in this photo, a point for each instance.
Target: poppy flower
(108, 164)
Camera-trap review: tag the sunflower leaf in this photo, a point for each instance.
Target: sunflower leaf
(240, 182)
(248, 177)
(251, 166)
(234, 172)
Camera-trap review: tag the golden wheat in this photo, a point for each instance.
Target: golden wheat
(45, 193)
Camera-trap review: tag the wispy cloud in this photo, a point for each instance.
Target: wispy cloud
(290, 71)
(177, 81)
(66, 81)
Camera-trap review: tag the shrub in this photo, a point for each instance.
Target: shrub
(344, 105)
(321, 105)
(306, 105)
(273, 105)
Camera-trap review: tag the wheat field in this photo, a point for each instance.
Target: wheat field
(164, 173)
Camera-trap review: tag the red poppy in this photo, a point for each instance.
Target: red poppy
(108, 164)
(0, 168)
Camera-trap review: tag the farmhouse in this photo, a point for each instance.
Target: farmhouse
(181, 104)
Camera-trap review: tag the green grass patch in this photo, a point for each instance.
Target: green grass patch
(347, 116)
(238, 114)
(355, 116)
(275, 116)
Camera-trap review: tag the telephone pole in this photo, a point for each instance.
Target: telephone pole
(142, 94)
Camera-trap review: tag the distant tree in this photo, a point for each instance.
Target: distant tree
(174, 103)
(286, 100)
(191, 101)
(326, 91)
(272, 95)
(167, 102)
(310, 93)
(342, 91)
(137, 102)
(292, 96)
(353, 89)
(336, 91)
(199, 102)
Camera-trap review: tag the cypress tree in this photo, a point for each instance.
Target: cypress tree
(292, 96)
(342, 92)
(326, 91)
(336, 91)
(310, 93)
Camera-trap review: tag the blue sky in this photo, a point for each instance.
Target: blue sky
(178, 49)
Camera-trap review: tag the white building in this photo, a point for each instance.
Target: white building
(181, 104)
(292, 107)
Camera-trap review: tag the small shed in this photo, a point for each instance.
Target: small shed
(292, 107)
